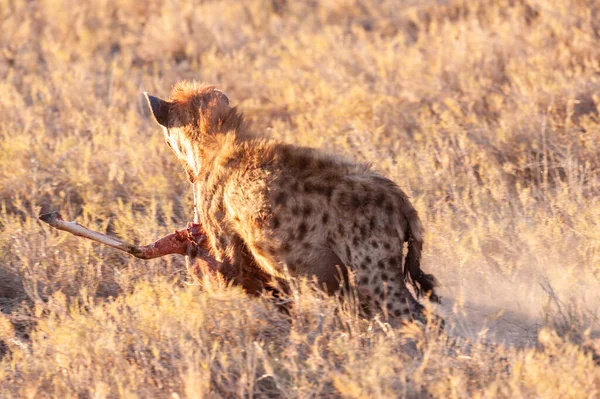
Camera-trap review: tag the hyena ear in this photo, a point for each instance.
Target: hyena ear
(223, 96)
(160, 109)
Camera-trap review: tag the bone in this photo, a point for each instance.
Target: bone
(182, 242)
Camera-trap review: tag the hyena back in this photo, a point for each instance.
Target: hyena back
(269, 208)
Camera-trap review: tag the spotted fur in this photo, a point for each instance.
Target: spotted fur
(271, 209)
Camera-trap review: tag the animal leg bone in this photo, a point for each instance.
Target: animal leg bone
(183, 242)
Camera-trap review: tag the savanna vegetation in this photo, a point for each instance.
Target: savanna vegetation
(485, 112)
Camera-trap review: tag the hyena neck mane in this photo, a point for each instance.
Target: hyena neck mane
(230, 123)
(206, 124)
(209, 138)
(224, 141)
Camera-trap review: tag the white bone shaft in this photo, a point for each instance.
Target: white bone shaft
(55, 220)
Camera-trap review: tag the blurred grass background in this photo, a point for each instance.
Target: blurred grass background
(485, 112)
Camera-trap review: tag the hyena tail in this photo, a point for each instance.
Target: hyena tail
(424, 284)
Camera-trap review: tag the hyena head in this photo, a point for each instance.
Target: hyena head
(194, 115)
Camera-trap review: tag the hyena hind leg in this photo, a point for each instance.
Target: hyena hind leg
(387, 293)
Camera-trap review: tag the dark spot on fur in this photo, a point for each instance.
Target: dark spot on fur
(368, 259)
(397, 313)
(327, 191)
(389, 306)
(348, 252)
(304, 162)
(275, 222)
(307, 210)
(355, 201)
(325, 218)
(384, 277)
(392, 262)
(380, 264)
(330, 241)
(299, 161)
(364, 280)
(302, 229)
(307, 245)
(363, 231)
(364, 265)
(372, 224)
(296, 210)
(355, 241)
(294, 186)
(379, 199)
(377, 290)
(341, 229)
(281, 198)
(386, 245)
(309, 188)
(374, 244)
(322, 164)
(389, 207)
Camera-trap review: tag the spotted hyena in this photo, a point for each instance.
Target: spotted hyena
(271, 209)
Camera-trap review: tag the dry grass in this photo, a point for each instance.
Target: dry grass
(486, 112)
